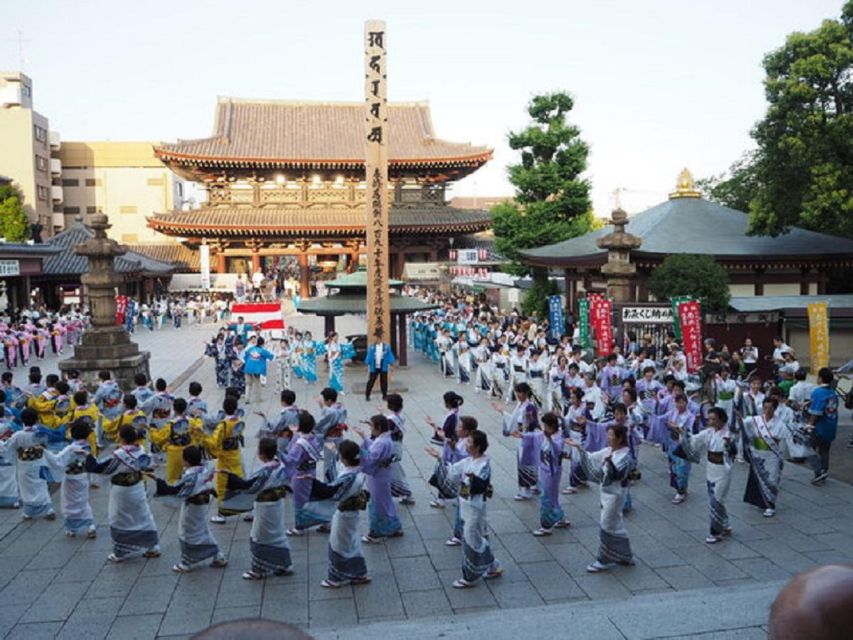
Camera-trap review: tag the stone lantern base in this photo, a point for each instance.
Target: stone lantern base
(107, 348)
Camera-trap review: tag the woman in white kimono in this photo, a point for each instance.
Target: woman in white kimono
(195, 489)
(474, 475)
(29, 446)
(557, 374)
(464, 362)
(132, 526)
(517, 370)
(346, 496)
(537, 370)
(609, 467)
(763, 435)
(483, 372)
(70, 465)
(400, 487)
(8, 472)
(720, 445)
(268, 539)
(500, 372)
(524, 418)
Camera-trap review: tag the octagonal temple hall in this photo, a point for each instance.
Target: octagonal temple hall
(287, 179)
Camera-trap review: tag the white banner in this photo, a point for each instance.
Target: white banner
(650, 315)
(204, 258)
(10, 268)
(468, 256)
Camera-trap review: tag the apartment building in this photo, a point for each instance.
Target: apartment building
(27, 147)
(124, 180)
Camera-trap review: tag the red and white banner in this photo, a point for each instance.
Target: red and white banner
(690, 318)
(121, 309)
(266, 314)
(601, 318)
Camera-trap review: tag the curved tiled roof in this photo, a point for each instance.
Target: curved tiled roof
(697, 226)
(183, 258)
(66, 262)
(318, 135)
(271, 221)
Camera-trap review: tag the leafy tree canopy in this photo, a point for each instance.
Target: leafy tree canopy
(551, 201)
(14, 225)
(682, 274)
(802, 170)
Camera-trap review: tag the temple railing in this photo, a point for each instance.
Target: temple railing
(299, 195)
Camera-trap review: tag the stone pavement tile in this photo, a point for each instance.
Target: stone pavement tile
(435, 525)
(221, 614)
(36, 631)
(418, 604)
(380, 598)
(524, 547)
(236, 592)
(331, 613)
(479, 596)
(26, 586)
(711, 564)
(96, 610)
(444, 557)
(762, 569)
(661, 557)
(683, 577)
(55, 603)
(409, 546)
(415, 574)
(150, 594)
(84, 631)
(604, 585)
(829, 557)
(551, 581)
(748, 633)
(506, 521)
(115, 579)
(142, 627)
(11, 566)
(82, 567)
(731, 549)
(572, 556)
(640, 578)
(186, 619)
(285, 603)
(318, 572)
(52, 556)
(514, 594)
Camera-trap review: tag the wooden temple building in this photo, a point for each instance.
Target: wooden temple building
(796, 263)
(287, 179)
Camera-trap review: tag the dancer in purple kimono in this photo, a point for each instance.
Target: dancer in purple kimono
(377, 457)
(524, 418)
(679, 468)
(574, 428)
(549, 444)
(610, 379)
(301, 462)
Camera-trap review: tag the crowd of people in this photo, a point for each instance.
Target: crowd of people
(35, 333)
(577, 419)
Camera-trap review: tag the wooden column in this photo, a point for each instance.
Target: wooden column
(402, 357)
(256, 261)
(328, 325)
(304, 276)
(759, 282)
(376, 165)
(220, 262)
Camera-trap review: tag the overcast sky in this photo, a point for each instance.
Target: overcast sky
(658, 84)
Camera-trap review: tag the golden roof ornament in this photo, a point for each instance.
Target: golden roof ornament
(685, 187)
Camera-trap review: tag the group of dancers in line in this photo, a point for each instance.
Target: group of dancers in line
(35, 334)
(295, 355)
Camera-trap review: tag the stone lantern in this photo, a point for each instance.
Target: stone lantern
(105, 345)
(618, 270)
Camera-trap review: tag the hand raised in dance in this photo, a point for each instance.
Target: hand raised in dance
(572, 443)
(432, 451)
(431, 422)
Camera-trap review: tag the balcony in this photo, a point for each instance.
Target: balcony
(53, 137)
(56, 193)
(55, 167)
(58, 220)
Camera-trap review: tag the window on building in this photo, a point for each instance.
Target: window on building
(94, 210)
(127, 209)
(58, 208)
(93, 182)
(41, 163)
(40, 133)
(129, 237)
(70, 182)
(71, 210)
(42, 192)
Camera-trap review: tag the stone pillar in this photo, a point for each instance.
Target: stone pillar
(618, 270)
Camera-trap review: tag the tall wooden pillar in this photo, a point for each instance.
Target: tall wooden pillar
(402, 356)
(328, 325)
(376, 175)
(304, 276)
(220, 262)
(256, 262)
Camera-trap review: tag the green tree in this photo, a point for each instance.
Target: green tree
(551, 199)
(802, 170)
(536, 298)
(14, 225)
(682, 274)
(734, 188)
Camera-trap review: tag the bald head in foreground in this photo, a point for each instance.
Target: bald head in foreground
(815, 605)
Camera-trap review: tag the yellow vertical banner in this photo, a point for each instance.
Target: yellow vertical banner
(818, 336)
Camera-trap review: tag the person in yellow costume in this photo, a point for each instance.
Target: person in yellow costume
(225, 444)
(81, 407)
(130, 416)
(52, 405)
(174, 436)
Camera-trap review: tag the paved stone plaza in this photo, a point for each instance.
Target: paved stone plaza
(52, 586)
